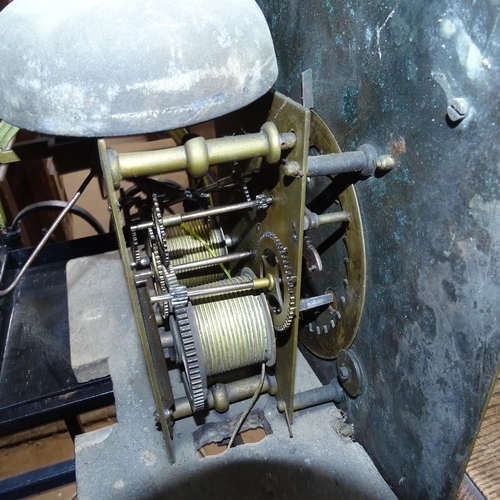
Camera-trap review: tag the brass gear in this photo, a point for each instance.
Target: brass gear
(272, 258)
(187, 344)
(134, 246)
(159, 230)
(159, 271)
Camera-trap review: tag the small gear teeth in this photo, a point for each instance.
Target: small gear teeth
(151, 235)
(195, 381)
(135, 247)
(166, 282)
(159, 271)
(269, 241)
(160, 231)
(171, 279)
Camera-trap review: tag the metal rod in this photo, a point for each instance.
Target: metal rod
(4, 254)
(245, 388)
(141, 276)
(213, 261)
(331, 392)
(166, 339)
(364, 161)
(256, 284)
(235, 391)
(198, 154)
(177, 219)
(174, 220)
(47, 235)
(315, 302)
(342, 216)
(314, 397)
(313, 220)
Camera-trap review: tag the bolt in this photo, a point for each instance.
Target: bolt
(386, 162)
(346, 430)
(281, 405)
(343, 372)
(458, 109)
(292, 169)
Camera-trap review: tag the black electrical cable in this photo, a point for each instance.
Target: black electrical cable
(57, 205)
(166, 189)
(47, 235)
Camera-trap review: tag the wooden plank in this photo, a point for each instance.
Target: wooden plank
(468, 490)
(484, 465)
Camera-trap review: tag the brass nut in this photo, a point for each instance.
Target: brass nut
(292, 169)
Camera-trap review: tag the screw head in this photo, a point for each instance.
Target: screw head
(348, 364)
(458, 109)
(343, 372)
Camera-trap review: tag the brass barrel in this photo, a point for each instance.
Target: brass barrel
(235, 332)
(183, 248)
(222, 295)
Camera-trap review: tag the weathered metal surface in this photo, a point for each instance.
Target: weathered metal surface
(127, 67)
(429, 340)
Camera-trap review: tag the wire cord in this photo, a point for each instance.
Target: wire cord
(46, 237)
(250, 406)
(58, 205)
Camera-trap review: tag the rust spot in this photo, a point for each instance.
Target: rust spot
(396, 146)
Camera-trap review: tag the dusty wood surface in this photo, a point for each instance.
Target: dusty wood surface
(468, 490)
(484, 465)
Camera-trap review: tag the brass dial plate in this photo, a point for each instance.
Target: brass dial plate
(327, 345)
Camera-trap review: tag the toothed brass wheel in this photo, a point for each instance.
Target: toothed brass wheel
(272, 259)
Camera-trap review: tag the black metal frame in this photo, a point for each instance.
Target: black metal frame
(38, 480)
(37, 385)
